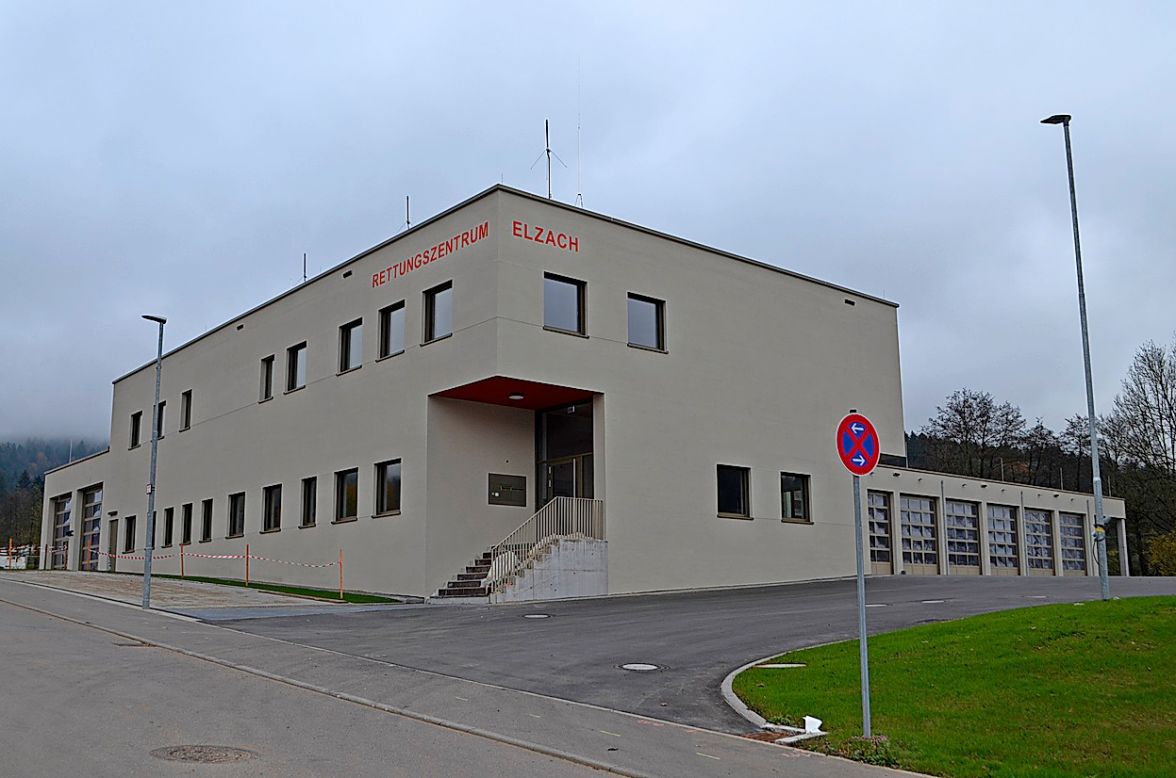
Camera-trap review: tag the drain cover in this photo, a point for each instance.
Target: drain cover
(640, 667)
(203, 754)
(536, 615)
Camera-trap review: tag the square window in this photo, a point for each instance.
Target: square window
(186, 410)
(267, 378)
(346, 494)
(272, 506)
(309, 501)
(733, 491)
(439, 312)
(392, 330)
(129, 536)
(563, 304)
(296, 367)
(794, 496)
(136, 428)
(206, 521)
(185, 524)
(388, 487)
(647, 322)
(236, 515)
(351, 346)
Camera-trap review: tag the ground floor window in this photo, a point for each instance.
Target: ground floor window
(272, 508)
(309, 501)
(206, 521)
(1002, 537)
(236, 515)
(920, 542)
(963, 533)
(169, 516)
(794, 497)
(878, 507)
(129, 535)
(1038, 540)
(1072, 527)
(346, 495)
(733, 491)
(388, 487)
(186, 524)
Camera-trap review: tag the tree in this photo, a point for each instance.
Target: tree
(970, 433)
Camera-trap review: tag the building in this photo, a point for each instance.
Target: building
(404, 412)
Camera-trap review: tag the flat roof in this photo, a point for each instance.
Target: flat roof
(528, 196)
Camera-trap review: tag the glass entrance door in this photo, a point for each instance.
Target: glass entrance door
(564, 452)
(569, 477)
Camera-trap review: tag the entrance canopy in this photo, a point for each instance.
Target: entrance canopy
(517, 393)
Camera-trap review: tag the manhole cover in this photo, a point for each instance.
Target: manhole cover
(203, 754)
(536, 615)
(640, 667)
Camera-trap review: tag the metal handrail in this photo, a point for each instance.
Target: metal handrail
(563, 517)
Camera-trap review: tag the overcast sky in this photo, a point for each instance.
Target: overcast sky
(178, 158)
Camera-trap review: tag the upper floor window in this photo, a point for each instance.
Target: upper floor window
(186, 410)
(296, 367)
(439, 312)
(267, 378)
(351, 346)
(647, 327)
(136, 428)
(563, 304)
(392, 330)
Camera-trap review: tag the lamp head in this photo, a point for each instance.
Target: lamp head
(158, 319)
(1057, 118)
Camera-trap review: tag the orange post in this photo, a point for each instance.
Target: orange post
(10, 553)
(181, 560)
(340, 574)
(246, 564)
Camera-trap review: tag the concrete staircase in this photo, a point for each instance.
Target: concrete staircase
(470, 585)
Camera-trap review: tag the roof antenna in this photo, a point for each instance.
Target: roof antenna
(579, 189)
(550, 154)
(304, 267)
(407, 217)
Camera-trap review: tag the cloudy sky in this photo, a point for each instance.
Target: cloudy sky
(178, 158)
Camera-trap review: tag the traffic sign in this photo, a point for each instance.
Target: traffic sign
(857, 444)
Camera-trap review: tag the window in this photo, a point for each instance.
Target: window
(1073, 542)
(794, 497)
(1002, 537)
(388, 487)
(309, 501)
(169, 516)
(186, 524)
(563, 304)
(878, 508)
(346, 495)
(186, 410)
(236, 515)
(296, 367)
(963, 533)
(647, 322)
(1038, 540)
(733, 491)
(129, 535)
(392, 330)
(920, 544)
(267, 378)
(439, 312)
(161, 417)
(206, 521)
(136, 428)
(272, 502)
(351, 346)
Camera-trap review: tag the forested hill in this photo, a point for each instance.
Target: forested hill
(36, 455)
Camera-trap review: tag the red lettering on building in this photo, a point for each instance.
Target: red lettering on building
(547, 237)
(433, 253)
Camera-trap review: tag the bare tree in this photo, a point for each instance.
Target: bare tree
(970, 432)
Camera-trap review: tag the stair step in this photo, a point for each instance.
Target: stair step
(468, 584)
(472, 576)
(478, 592)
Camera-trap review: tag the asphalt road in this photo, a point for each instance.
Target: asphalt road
(695, 638)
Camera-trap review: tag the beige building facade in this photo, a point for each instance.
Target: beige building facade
(518, 364)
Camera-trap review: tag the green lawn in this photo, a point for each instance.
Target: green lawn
(1059, 690)
(299, 591)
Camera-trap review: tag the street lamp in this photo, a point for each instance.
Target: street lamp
(150, 544)
(1100, 530)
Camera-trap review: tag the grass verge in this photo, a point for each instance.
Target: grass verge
(297, 591)
(1057, 691)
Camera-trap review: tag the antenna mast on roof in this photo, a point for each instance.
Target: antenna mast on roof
(549, 153)
(407, 217)
(304, 267)
(579, 189)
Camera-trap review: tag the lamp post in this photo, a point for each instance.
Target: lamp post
(150, 544)
(1100, 530)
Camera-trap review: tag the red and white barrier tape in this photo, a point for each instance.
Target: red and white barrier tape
(139, 558)
(284, 562)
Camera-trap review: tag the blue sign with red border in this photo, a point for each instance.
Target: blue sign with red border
(857, 444)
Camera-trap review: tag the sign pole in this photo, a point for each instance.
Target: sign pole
(861, 598)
